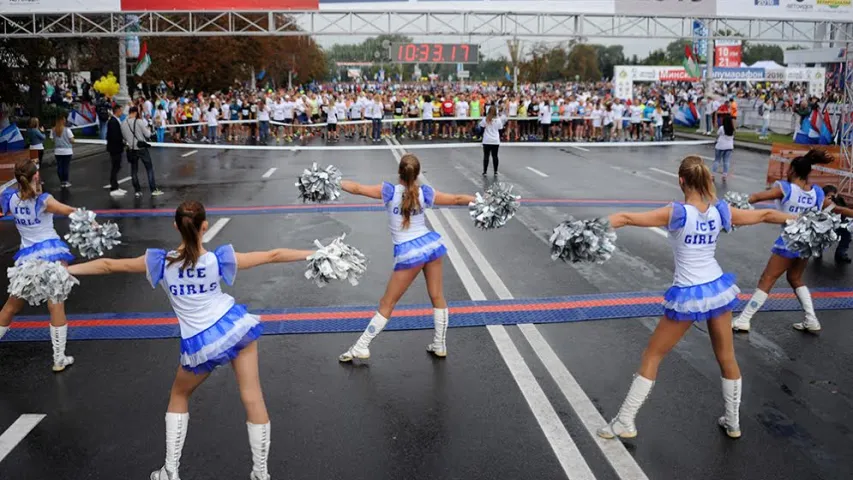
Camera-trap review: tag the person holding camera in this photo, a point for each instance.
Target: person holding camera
(841, 256)
(136, 133)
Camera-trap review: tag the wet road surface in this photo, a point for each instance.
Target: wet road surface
(500, 405)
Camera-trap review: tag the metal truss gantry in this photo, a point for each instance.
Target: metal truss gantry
(450, 23)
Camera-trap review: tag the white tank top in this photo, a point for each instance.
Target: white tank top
(693, 235)
(796, 200)
(34, 223)
(392, 195)
(195, 292)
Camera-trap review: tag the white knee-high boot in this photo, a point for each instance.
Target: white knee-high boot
(623, 424)
(732, 390)
(3, 331)
(58, 338)
(811, 324)
(176, 435)
(741, 323)
(440, 321)
(259, 442)
(361, 349)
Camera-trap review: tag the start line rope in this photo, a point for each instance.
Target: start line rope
(419, 146)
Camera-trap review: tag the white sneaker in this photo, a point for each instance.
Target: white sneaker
(439, 350)
(740, 324)
(157, 193)
(162, 474)
(617, 429)
(354, 352)
(137, 194)
(60, 364)
(809, 325)
(255, 476)
(118, 193)
(731, 431)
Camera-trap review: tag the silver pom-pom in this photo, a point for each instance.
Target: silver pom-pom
(39, 281)
(496, 208)
(336, 261)
(319, 185)
(583, 241)
(89, 237)
(738, 200)
(812, 232)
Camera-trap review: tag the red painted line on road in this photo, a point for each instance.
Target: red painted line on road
(119, 321)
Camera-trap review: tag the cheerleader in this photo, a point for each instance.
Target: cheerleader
(792, 196)
(700, 291)
(214, 329)
(33, 213)
(416, 249)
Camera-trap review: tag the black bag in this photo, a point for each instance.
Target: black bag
(139, 143)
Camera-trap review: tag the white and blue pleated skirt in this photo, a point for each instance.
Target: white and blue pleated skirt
(780, 249)
(53, 250)
(220, 343)
(419, 251)
(698, 303)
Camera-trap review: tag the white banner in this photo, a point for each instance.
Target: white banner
(592, 7)
(623, 86)
(787, 9)
(59, 6)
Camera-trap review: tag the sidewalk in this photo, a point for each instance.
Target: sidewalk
(81, 151)
(754, 147)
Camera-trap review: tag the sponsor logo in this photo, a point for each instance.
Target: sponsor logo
(834, 3)
(623, 74)
(766, 3)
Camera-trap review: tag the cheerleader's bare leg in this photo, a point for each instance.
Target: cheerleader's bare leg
(397, 286)
(776, 266)
(59, 336)
(7, 313)
(177, 422)
(257, 419)
(724, 350)
(665, 337)
(433, 276)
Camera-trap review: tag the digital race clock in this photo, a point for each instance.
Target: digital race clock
(434, 53)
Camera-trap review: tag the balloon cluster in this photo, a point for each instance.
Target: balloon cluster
(107, 86)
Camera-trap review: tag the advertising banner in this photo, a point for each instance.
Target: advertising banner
(623, 84)
(738, 74)
(216, 5)
(727, 53)
(678, 74)
(592, 7)
(700, 41)
(787, 9)
(668, 8)
(59, 6)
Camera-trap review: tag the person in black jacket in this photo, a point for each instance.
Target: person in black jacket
(115, 147)
(843, 234)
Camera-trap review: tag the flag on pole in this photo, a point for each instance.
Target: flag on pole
(689, 63)
(144, 60)
(508, 74)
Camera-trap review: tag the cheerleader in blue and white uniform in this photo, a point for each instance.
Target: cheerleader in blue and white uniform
(700, 291)
(214, 329)
(33, 213)
(793, 196)
(416, 249)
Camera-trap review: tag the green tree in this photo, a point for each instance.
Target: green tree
(656, 57)
(583, 63)
(609, 57)
(675, 51)
(755, 52)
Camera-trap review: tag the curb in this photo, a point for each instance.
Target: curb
(50, 160)
(752, 147)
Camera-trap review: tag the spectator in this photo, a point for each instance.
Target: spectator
(135, 132)
(841, 256)
(115, 147)
(36, 136)
(491, 127)
(63, 138)
(764, 112)
(104, 112)
(724, 147)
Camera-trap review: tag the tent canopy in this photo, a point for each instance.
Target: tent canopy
(767, 65)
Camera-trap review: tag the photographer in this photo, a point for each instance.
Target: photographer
(136, 133)
(844, 235)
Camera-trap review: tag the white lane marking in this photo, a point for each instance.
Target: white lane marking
(269, 173)
(621, 461)
(579, 148)
(191, 152)
(537, 172)
(561, 442)
(663, 172)
(660, 232)
(123, 180)
(210, 233)
(15, 433)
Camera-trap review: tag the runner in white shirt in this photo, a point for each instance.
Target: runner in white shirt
(212, 117)
(512, 122)
(618, 118)
(288, 107)
(426, 116)
(461, 110)
(597, 114)
(636, 120)
(278, 116)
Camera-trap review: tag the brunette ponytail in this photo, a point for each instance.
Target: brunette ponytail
(409, 170)
(189, 217)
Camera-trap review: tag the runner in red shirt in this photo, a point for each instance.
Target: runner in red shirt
(447, 111)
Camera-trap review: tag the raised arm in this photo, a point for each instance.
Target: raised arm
(774, 193)
(452, 199)
(652, 218)
(370, 191)
(58, 208)
(752, 217)
(104, 266)
(847, 212)
(249, 260)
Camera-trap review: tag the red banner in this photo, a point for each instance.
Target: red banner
(217, 5)
(727, 56)
(675, 75)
